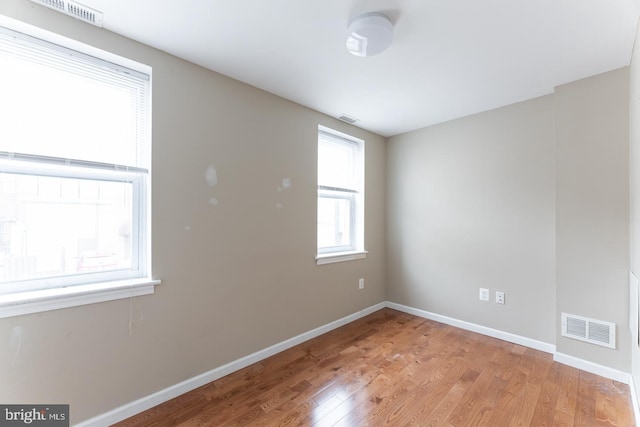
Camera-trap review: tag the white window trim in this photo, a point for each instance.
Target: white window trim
(17, 304)
(35, 301)
(334, 257)
(357, 251)
(352, 198)
(46, 169)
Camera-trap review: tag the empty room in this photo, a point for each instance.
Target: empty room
(340, 212)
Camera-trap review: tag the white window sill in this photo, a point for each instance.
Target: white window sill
(20, 303)
(330, 258)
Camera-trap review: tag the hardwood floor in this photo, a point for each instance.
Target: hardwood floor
(395, 369)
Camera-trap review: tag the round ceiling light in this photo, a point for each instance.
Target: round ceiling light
(369, 34)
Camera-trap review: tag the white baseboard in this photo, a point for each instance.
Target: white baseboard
(133, 408)
(495, 333)
(594, 368)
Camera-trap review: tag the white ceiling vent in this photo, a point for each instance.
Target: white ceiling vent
(72, 8)
(589, 330)
(347, 118)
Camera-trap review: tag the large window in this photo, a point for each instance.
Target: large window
(74, 165)
(340, 196)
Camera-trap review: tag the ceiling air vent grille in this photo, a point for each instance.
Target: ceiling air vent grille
(74, 9)
(589, 330)
(53, 4)
(347, 118)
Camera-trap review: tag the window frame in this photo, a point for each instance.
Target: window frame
(41, 294)
(97, 174)
(355, 196)
(333, 193)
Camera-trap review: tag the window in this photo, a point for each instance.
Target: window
(74, 171)
(340, 197)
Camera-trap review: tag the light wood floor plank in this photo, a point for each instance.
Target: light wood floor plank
(395, 369)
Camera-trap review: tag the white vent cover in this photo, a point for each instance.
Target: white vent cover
(72, 8)
(589, 330)
(347, 118)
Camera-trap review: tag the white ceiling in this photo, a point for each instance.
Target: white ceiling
(449, 58)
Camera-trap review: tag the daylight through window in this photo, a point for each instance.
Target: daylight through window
(340, 193)
(74, 166)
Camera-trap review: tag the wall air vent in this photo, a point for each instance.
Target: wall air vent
(589, 330)
(74, 9)
(347, 118)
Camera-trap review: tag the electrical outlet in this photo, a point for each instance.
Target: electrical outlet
(361, 283)
(484, 294)
(500, 297)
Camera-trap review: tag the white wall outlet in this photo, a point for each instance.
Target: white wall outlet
(361, 283)
(500, 297)
(484, 294)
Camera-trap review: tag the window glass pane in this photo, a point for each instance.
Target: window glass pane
(63, 222)
(334, 222)
(53, 112)
(52, 226)
(336, 164)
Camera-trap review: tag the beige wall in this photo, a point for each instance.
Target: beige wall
(592, 210)
(530, 199)
(241, 277)
(471, 205)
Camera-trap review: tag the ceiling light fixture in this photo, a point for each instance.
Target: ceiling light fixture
(369, 34)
